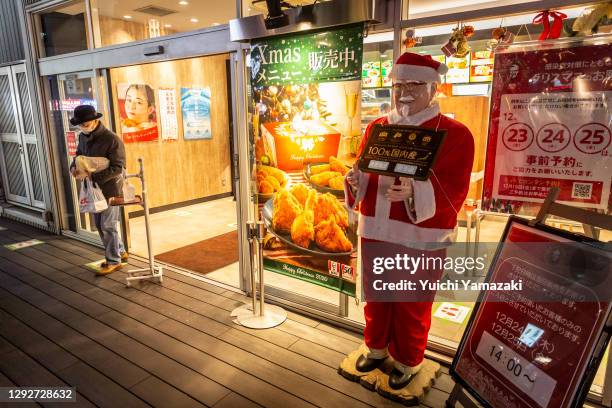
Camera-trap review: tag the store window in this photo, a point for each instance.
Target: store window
(120, 21)
(63, 29)
(465, 95)
(376, 85)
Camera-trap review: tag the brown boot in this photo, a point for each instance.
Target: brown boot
(124, 257)
(107, 268)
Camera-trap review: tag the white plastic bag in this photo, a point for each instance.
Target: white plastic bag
(129, 191)
(91, 199)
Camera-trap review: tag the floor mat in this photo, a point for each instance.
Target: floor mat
(205, 256)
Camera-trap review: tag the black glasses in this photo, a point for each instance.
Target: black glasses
(408, 86)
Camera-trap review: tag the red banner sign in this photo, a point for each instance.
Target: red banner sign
(71, 143)
(550, 126)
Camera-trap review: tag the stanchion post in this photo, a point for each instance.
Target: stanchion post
(146, 216)
(261, 233)
(268, 315)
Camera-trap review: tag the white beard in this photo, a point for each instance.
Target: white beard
(404, 110)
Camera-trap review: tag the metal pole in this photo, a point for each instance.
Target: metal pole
(251, 227)
(269, 315)
(146, 215)
(344, 302)
(261, 233)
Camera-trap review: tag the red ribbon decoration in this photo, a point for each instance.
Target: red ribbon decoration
(554, 32)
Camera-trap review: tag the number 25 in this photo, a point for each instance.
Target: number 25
(592, 137)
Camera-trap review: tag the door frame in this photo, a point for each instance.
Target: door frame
(18, 138)
(28, 138)
(73, 193)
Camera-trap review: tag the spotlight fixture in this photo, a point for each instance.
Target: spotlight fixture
(127, 17)
(194, 20)
(183, 3)
(276, 17)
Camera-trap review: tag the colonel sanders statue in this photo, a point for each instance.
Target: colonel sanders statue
(405, 215)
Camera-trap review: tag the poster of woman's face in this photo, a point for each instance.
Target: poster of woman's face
(137, 111)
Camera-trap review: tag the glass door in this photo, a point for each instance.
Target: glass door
(67, 92)
(19, 154)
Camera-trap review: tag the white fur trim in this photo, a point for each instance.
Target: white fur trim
(414, 72)
(424, 201)
(376, 353)
(417, 119)
(406, 234)
(407, 369)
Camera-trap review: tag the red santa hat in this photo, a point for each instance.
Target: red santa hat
(415, 67)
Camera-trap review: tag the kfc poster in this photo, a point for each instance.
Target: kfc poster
(305, 110)
(137, 111)
(550, 127)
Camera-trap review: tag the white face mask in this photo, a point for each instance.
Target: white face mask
(88, 129)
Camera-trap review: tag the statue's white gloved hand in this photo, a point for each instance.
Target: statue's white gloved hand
(400, 192)
(353, 177)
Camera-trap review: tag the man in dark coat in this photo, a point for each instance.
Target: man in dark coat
(95, 140)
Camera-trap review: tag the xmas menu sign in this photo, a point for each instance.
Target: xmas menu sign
(304, 108)
(325, 56)
(550, 126)
(535, 347)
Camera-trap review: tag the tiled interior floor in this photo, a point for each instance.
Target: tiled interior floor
(184, 226)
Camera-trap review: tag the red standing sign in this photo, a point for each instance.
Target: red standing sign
(532, 347)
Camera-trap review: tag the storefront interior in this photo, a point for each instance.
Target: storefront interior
(187, 162)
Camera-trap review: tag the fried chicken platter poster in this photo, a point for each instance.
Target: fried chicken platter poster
(305, 126)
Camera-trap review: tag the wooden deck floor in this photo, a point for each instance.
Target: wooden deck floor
(170, 346)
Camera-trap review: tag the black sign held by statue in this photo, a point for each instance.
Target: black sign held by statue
(401, 151)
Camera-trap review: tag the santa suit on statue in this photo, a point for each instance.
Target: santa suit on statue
(408, 215)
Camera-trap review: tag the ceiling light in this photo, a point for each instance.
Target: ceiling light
(194, 20)
(127, 17)
(167, 25)
(183, 3)
(216, 24)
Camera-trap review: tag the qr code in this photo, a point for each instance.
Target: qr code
(582, 190)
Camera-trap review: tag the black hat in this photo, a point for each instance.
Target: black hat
(84, 113)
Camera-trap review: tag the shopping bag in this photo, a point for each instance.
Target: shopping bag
(91, 198)
(129, 191)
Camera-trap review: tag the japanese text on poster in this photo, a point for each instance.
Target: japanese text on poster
(314, 57)
(195, 105)
(530, 348)
(550, 126)
(167, 114)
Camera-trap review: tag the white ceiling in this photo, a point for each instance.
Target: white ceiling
(207, 12)
(423, 8)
